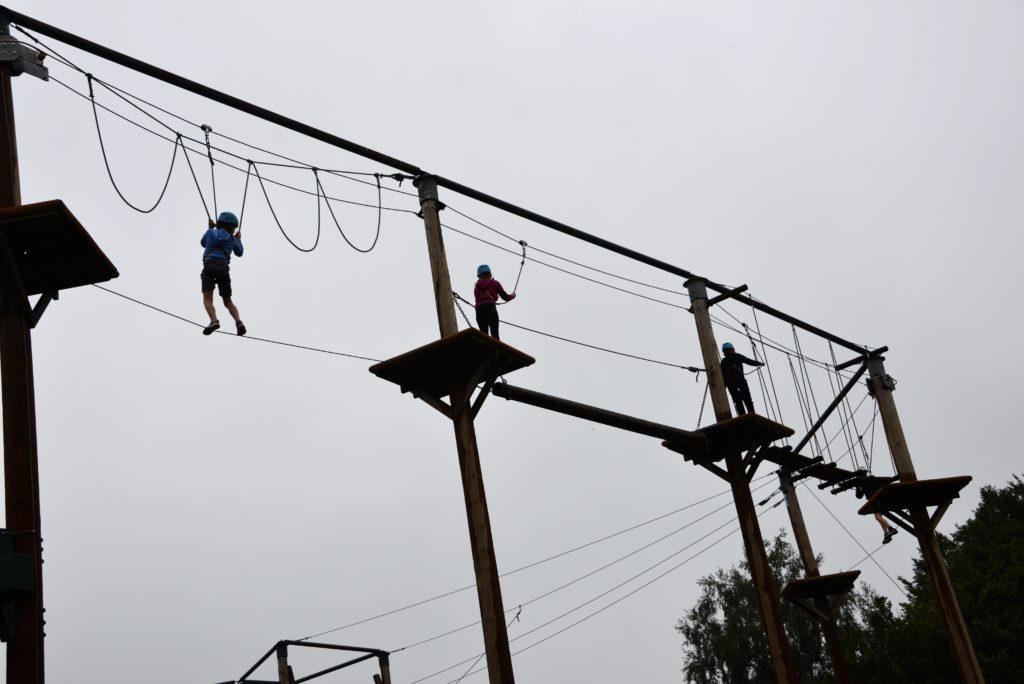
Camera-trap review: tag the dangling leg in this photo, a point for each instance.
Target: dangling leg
(737, 398)
(888, 529)
(747, 399)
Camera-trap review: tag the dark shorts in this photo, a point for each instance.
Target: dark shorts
(216, 273)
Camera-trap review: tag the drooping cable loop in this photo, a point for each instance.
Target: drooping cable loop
(380, 210)
(273, 213)
(195, 179)
(106, 160)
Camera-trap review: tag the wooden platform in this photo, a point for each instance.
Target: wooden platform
(50, 248)
(732, 436)
(463, 359)
(902, 496)
(820, 596)
(810, 588)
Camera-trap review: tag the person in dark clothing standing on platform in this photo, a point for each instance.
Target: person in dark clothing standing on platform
(223, 239)
(486, 292)
(732, 372)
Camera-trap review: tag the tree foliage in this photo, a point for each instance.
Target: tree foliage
(724, 642)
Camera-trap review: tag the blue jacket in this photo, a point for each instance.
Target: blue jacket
(219, 245)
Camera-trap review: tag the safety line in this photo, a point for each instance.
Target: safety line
(247, 337)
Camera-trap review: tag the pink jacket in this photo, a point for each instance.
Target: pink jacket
(488, 290)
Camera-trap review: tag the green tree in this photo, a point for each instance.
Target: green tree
(985, 557)
(724, 640)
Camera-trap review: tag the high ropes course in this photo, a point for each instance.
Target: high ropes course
(839, 402)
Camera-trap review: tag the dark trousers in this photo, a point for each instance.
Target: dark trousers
(487, 319)
(741, 395)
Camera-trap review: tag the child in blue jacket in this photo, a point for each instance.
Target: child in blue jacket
(223, 239)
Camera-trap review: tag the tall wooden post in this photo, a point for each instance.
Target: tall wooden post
(21, 466)
(935, 565)
(385, 669)
(284, 673)
(488, 586)
(764, 586)
(810, 563)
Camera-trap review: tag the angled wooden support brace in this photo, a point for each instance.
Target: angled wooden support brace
(755, 463)
(40, 307)
(442, 407)
(482, 395)
(714, 470)
(484, 372)
(902, 519)
(933, 521)
(809, 607)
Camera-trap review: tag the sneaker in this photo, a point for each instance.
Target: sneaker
(240, 327)
(209, 330)
(889, 534)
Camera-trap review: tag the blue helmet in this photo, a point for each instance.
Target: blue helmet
(482, 269)
(228, 218)
(728, 345)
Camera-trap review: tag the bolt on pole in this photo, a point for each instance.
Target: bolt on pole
(935, 565)
(488, 586)
(760, 572)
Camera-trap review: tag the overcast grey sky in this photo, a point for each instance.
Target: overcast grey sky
(857, 165)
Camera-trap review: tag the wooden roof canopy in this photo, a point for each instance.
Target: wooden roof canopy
(50, 248)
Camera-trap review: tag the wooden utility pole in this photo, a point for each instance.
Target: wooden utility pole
(21, 466)
(810, 562)
(488, 586)
(764, 586)
(935, 565)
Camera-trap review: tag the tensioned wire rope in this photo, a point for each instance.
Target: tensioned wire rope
(591, 573)
(605, 593)
(530, 565)
(253, 168)
(124, 95)
(527, 215)
(223, 163)
(517, 570)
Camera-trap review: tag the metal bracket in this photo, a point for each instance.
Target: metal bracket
(19, 58)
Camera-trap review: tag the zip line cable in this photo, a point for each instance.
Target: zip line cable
(459, 300)
(857, 541)
(561, 270)
(124, 95)
(561, 258)
(18, 20)
(530, 565)
(247, 337)
(613, 603)
(598, 597)
(594, 572)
